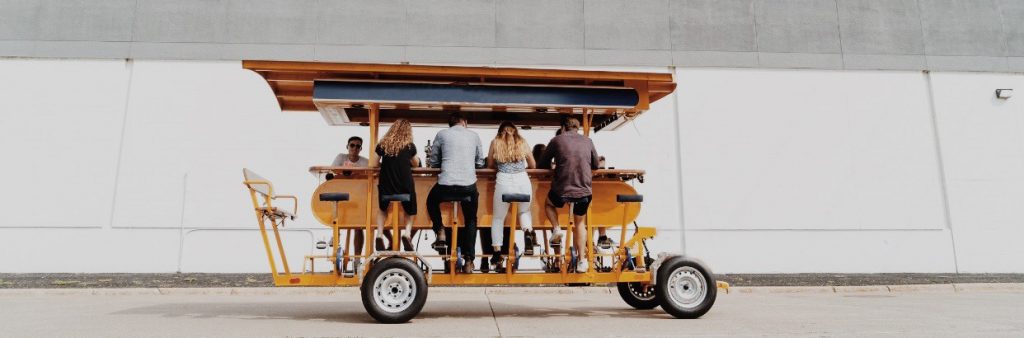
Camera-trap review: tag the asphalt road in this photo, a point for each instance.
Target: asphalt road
(509, 312)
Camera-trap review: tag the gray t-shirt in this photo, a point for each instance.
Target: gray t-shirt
(458, 152)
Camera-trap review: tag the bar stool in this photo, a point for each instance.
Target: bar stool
(454, 260)
(395, 204)
(627, 201)
(513, 200)
(337, 198)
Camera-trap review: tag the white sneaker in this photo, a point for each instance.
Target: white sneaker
(581, 266)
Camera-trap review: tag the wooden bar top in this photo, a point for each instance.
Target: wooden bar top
(350, 172)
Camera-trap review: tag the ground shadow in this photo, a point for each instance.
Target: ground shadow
(353, 312)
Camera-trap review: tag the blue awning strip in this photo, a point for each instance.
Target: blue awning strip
(482, 95)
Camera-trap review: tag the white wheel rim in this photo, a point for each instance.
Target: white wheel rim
(687, 287)
(394, 290)
(639, 291)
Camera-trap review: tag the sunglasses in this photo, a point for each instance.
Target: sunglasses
(355, 145)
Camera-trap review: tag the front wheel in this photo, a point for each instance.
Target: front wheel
(394, 290)
(685, 288)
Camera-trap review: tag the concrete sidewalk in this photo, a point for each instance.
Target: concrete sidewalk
(221, 280)
(512, 290)
(510, 311)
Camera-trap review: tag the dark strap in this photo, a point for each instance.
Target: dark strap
(629, 198)
(334, 196)
(509, 198)
(575, 199)
(396, 198)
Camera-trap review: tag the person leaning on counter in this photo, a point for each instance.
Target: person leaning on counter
(458, 151)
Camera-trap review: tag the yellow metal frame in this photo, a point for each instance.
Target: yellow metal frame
(263, 202)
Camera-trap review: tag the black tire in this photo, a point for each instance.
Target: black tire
(634, 295)
(394, 290)
(634, 292)
(686, 288)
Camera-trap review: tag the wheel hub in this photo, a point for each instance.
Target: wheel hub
(687, 287)
(394, 290)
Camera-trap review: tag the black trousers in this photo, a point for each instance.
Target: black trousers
(488, 246)
(467, 232)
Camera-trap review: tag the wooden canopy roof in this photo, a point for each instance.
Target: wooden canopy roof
(343, 92)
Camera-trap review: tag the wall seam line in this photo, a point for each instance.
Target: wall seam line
(942, 168)
(130, 64)
(679, 163)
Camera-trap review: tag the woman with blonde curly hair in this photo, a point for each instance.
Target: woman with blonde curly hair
(396, 155)
(511, 156)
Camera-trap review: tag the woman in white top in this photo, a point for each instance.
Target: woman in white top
(511, 156)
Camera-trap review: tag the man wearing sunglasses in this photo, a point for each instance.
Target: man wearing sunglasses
(352, 158)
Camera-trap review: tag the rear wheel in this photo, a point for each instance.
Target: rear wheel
(685, 288)
(394, 290)
(640, 296)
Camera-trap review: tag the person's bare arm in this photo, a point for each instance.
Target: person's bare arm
(531, 163)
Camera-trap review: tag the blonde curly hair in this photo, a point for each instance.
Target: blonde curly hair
(397, 138)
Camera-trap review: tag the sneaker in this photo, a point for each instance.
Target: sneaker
(556, 241)
(528, 239)
(581, 266)
(468, 267)
(604, 242)
(484, 267)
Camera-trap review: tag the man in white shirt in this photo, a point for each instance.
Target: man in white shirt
(352, 158)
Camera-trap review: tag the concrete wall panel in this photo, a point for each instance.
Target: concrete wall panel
(767, 149)
(60, 128)
(1013, 25)
(180, 21)
(463, 23)
(627, 24)
(18, 19)
(797, 26)
(713, 25)
(962, 27)
(85, 20)
(982, 140)
(540, 23)
(881, 27)
(272, 21)
(362, 22)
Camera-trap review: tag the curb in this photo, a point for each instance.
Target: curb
(344, 291)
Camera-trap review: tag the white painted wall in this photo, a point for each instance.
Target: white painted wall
(122, 166)
(983, 151)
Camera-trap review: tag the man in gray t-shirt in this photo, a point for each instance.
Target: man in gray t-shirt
(458, 152)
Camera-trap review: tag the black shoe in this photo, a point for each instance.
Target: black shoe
(484, 267)
(407, 243)
(380, 244)
(604, 242)
(497, 261)
(529, 238)
(441, 245)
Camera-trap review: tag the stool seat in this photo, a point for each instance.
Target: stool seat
(460, 199)
(334, 196)
(629, 198)
(396, 198)
(509, 198)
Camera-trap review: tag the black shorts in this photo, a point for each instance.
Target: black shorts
(579, 208)
(409, 207)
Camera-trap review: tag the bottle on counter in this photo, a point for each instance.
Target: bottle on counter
(428, 151)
